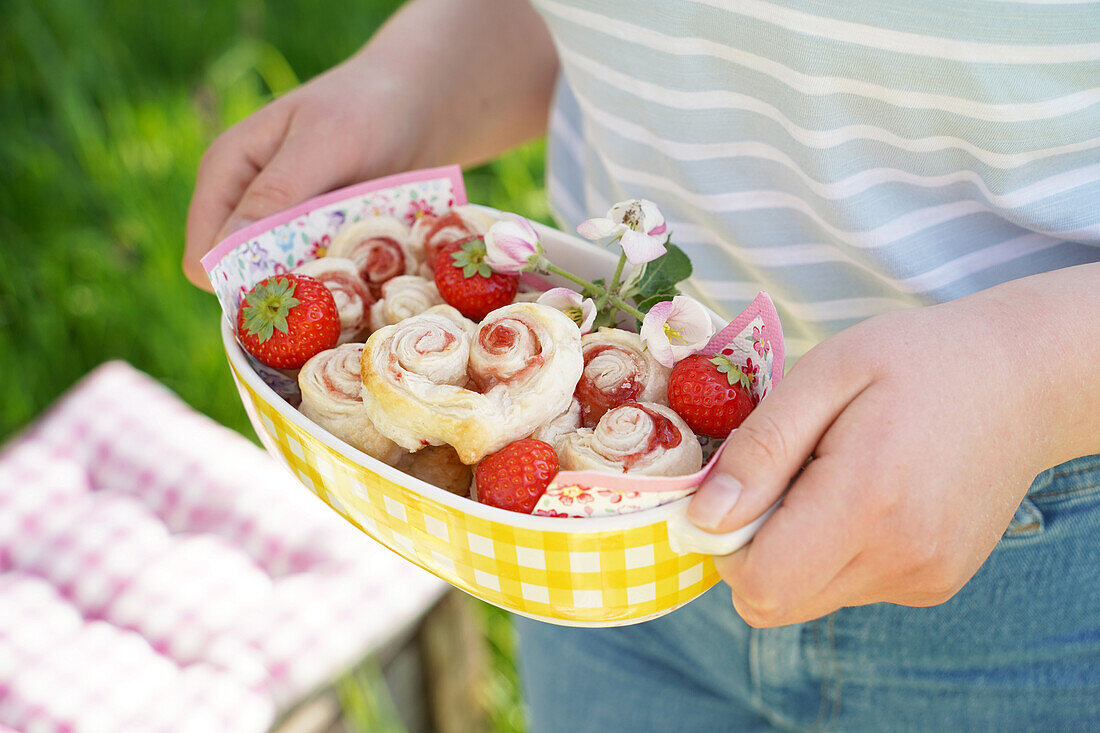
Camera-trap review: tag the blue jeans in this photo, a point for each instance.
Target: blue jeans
(1018, 648)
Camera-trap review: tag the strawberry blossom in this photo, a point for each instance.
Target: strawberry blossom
(637, 223)
(512, 246)
(582, 310)
(674, 329)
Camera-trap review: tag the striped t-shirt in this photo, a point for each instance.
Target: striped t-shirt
(849, 157)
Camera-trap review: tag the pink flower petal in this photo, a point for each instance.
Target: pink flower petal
(641, 248)
(597, 228)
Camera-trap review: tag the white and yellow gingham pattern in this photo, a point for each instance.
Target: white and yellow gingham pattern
(577, 578)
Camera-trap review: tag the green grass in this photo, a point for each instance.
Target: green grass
(105, 111)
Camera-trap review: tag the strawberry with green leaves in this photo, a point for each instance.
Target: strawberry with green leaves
(286, 319)
(468, 284)
(712, 394)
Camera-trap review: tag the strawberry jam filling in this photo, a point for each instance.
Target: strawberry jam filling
(352, 288)
(665, 435)
(435, 240)
(340, 388)
(433, 344)
(499, 340)
(380, 260)
(594, 401)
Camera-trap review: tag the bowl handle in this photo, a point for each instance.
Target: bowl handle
(685, 537)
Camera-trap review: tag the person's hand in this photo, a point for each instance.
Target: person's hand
(337, 129)
(443, 81)
(925, 429)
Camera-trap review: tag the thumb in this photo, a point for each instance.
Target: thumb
(309, 162)
(763, 455)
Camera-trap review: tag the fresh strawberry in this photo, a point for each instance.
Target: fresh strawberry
(516, 476)
(468, 284)
(712, 394)
(286, 319)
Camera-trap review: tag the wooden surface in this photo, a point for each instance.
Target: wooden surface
(426, 681)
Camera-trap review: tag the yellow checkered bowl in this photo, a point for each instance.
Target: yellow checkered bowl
(598, 571)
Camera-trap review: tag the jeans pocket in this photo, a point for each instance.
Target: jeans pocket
(1073, 479)
(1068, 492)
(1027, 521)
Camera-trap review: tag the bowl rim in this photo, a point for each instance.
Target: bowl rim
(645, 517)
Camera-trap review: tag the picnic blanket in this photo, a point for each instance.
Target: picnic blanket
(160, 572)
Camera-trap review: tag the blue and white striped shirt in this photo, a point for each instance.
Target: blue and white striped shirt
(850, 158)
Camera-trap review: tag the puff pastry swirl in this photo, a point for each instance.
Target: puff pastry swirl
(379, 246)
(642, 438)
(402, 297)
(524, 361)
(331, 390)
(618, 369)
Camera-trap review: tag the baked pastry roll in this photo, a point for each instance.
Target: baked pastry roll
(331, 388)
(353, 298)
(524, 361)
(617, 369)
(432, 233)
(440, 466)
(379, 247)
(564, 424)
(643, 438)
(402, 297)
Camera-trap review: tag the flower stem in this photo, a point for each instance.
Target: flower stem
(623, 305)
(613, 289)
(590, 287)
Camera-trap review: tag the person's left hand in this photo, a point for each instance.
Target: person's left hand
(926, 428)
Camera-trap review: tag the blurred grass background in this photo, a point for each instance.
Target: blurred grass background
(105, 111)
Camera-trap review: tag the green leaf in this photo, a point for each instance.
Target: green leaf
(661, 275)
(733, 372)
(644, 304)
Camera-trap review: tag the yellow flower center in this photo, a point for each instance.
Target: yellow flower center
(572, 491)
(575, 313)
(674, 335)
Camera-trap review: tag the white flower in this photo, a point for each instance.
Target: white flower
(677, 328)
(570, 302)
(638, 223)
(512, 245)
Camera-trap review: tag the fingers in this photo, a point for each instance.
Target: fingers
(263, 167)
(313, 159)
(226, 170)
(776, 439)
(795, 563)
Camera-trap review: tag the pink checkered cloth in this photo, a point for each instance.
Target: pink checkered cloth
(159, 572)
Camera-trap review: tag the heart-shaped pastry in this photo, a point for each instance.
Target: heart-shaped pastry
(642, 438)
(426, 382)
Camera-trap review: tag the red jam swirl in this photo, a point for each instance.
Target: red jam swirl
(498, 340)
(665, 435)
(353, 287)
(594, 401)
(380, 260)
(329, 369)
(433, 244)
(448, 339)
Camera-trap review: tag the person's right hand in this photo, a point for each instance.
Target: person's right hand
(344, 126)
(443, 81)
